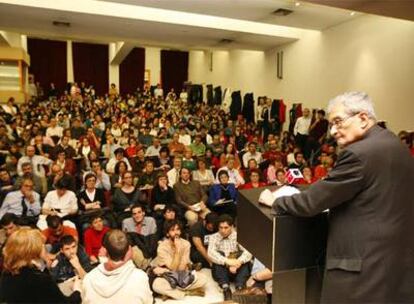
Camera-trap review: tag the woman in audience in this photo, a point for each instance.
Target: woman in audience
(254, 180)
(125, 196)
(24, 279)
(308, 177)
(93, 237)
(188, 160)
(274, 165)
(203, 175)
(91, 198)
(66, 164)
(223, 196)
(252, 165)
(120, 168)
(280, 177)
(132, 148)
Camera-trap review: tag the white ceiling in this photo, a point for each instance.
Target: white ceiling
(18, 16)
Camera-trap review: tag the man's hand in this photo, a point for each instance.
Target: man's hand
(74, 260)
(160, 270)
(233, 263)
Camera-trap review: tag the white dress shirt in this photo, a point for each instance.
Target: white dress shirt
(302, 126)
(67, 203)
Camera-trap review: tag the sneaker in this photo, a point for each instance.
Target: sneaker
(227, 294)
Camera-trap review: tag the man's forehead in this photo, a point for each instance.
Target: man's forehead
(337, 111)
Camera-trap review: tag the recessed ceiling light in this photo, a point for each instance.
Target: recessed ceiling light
(297, 3)
(352, 13)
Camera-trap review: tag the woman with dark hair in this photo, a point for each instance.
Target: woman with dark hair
(125, 196)
(223, 196)
(163, 195)
(120, 168)
(163, 161)
(24, 279)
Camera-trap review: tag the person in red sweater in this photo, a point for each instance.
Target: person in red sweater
(254, 180)
(93, 238)
(321, 170)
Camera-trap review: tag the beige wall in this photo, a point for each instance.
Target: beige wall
(369, 53)
(153, 63)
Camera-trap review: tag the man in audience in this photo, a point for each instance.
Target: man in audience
(252, 153)
(301, 129)
(190, 195)
(37, 162)
(200, 234)
(138, 222)
(102, 179)
(317, 134)
(174, 174)
(56, 174)
(7, 183)
(198, 148)
(9, 223)
(176, 148)
(108, 149)
(70, 261)
(55, 231)
(38, 185)
(117, 280)
(173, 255)
(154, 150)
(230, 259)
(61, 202)
(299, 162)
(25, 203)
(234, 173)
(119, 155)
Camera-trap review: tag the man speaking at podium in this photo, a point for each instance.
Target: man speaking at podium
(370, 197)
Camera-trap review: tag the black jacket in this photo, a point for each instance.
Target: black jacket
(370, 196)
(32, 286)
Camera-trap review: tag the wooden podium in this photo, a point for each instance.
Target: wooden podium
(292, 247)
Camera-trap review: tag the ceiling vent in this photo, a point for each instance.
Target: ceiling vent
(61, 23)
(282, 12)
(226, 41)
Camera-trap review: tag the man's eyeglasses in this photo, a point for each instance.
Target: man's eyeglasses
(338, 122)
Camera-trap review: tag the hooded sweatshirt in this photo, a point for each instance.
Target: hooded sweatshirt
(126, 284)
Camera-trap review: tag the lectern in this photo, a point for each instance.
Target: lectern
(292, 247)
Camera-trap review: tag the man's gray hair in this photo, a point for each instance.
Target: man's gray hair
(354, 102)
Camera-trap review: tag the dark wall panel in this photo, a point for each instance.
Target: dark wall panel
(174, 70)
(91, 65)
(48, 62)
(131, 71)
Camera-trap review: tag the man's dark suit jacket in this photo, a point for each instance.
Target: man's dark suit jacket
(370, 195)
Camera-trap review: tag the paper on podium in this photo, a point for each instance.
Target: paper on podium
(268, 197)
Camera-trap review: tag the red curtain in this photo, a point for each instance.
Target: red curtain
(48, 62)
(91, 65)
(174, 70)
(131, 71)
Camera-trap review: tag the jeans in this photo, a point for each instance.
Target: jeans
(222, 275)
